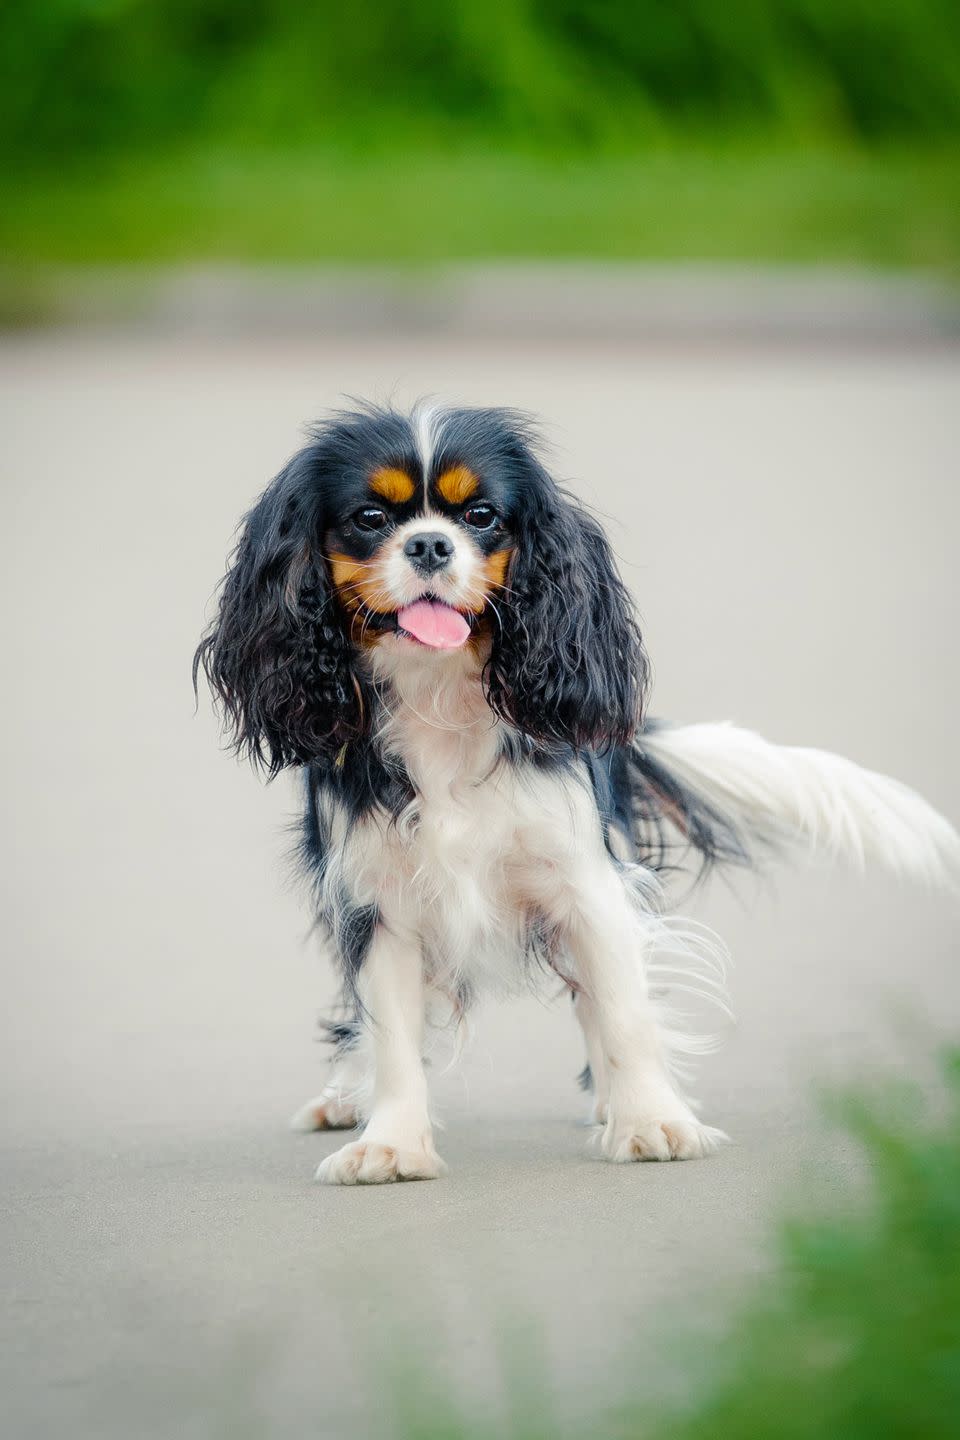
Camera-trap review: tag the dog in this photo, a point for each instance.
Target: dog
(426, 624)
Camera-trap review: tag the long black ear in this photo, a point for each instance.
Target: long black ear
(568, 663)
(277, 655)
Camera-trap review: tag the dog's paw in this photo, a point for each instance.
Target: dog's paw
(663, 1140)
(670, 1134)
(325, 1112)
(366, 1162)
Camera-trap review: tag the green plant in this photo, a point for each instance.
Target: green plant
(80, 76)
(855, 1336)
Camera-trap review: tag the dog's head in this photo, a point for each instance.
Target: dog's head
(435, 533)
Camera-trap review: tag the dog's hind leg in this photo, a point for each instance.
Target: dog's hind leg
(595, 1075)
(337, 1107)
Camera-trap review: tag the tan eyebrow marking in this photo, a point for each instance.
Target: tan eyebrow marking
(394, 485)
(457, 484)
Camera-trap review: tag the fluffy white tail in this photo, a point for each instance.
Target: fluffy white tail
(789, 800)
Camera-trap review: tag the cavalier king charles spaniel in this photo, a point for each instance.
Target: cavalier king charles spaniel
(420, 619)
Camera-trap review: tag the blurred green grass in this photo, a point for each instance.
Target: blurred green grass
(692, 203)
(82, 76)
(756, 130)
(859, 1335)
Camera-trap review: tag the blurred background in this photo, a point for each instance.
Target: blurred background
(158, 131)
(714, 247)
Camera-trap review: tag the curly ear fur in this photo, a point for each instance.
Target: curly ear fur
(568, 664)
(277, 656)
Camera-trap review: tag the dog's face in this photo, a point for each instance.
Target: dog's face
(433, 533)
(417, 556)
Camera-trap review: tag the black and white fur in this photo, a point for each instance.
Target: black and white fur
(469, 812)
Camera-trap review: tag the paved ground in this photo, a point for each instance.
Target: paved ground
(789, 522)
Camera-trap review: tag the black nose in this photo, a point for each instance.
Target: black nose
(429, 551)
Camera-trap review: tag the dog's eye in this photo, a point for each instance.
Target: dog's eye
(480, 517)
(370, 518)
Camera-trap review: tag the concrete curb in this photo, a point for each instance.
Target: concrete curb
(534, 301)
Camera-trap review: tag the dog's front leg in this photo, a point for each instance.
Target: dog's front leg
(397, 1140)
(647, 1118)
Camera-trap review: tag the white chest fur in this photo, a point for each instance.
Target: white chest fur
(486, 850)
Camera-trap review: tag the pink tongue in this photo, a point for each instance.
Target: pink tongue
(439, 626)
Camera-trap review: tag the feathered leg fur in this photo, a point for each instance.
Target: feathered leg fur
(646, 1116)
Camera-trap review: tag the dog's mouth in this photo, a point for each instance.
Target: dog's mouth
(434, 624)
(426, 621)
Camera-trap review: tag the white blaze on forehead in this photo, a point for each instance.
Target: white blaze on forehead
(426, 421)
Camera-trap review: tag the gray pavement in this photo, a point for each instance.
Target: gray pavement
(789, 522)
